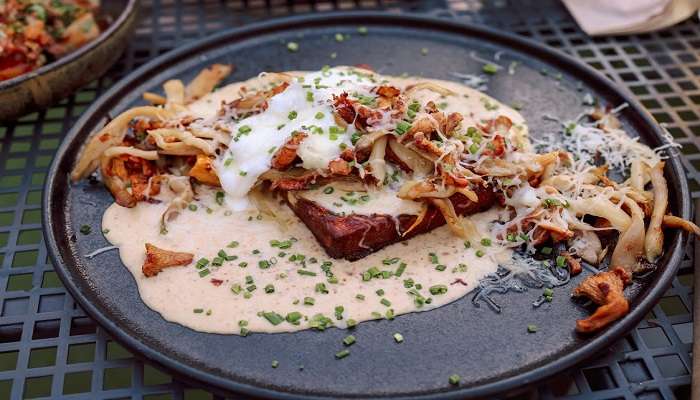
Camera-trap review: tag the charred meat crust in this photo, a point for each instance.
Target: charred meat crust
(355, 236)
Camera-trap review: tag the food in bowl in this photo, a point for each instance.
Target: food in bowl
(34, 33)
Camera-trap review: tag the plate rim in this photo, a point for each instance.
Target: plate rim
(94, 114)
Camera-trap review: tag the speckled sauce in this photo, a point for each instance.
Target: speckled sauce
(203, 303)
(275, 277)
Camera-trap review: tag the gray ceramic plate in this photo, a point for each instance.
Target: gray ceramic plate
(492, 352)
(39, 88)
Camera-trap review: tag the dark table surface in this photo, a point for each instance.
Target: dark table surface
(49, 348)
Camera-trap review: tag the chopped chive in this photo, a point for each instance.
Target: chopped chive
(561, 261)
(433, 258)
(292, 115)
(349, 340)
(328, 190)
(479, 253)
(203, 273)
(532, 328)
(198, 310)
(342, 354)
(402, 127)
(546, 250)
(85, 229)
(467, 244)
(351, 323)
(398, 337)
(385, 302)
(486, 242)
(438, 289)
(270, 288)
(490, 68)
(360, 296)
(309, 301)
(400, 270)
(319, 115)
(293, 317)
(440, 267)
(293, 47)
(548, 292)
(305, 272)
(236, 288)
(321, 288)
(362, 30)
(454, 379)
(232, 244)
(273, 318)
(339, 312)
(380, 292)
(275, 363)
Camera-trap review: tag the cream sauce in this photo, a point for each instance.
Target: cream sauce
(372, 201)
(177, 292)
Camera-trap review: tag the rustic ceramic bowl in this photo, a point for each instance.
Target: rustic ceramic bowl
(44, 86)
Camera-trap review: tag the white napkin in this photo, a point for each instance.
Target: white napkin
(616, 17)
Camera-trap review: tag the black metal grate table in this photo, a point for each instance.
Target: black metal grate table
(49, 348)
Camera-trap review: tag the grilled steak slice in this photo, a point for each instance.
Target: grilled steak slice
(355, 236)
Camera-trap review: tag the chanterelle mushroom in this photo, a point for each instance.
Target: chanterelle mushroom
(157, 259)
(606, 290)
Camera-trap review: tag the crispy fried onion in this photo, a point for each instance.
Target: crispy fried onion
(112, 135)
(178, 142)
(419, 219)
(158, 259)
(413, 190)
(256, 101)
(291, 179)
(630, 245)
(448, 211)
(206, 81)
(654, 240)
(181, 187)
(671, 221)
(408, 159)
(606, 290)
(377, 163)
(119, 174)
(433, 87)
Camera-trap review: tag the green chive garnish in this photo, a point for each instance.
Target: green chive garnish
(342, 354)
(273, 318)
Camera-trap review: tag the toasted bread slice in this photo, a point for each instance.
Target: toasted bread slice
(354, 236)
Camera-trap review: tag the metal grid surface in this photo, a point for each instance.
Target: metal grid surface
(50, 349)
